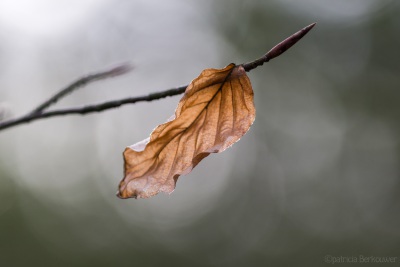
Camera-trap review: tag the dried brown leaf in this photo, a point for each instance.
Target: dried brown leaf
(216, 110)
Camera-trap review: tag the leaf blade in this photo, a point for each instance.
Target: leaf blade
(216, 110)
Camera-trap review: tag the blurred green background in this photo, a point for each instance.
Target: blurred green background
(317, 174)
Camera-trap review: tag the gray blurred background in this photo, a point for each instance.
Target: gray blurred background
(317, 174)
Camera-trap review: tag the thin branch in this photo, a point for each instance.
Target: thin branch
(120, 70)
(40, 113)
(91, 108)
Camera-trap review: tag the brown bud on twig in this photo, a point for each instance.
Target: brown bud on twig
(279, 48)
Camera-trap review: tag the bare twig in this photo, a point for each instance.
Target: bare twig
(40, 113)
(91, 108)
(120, 70)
